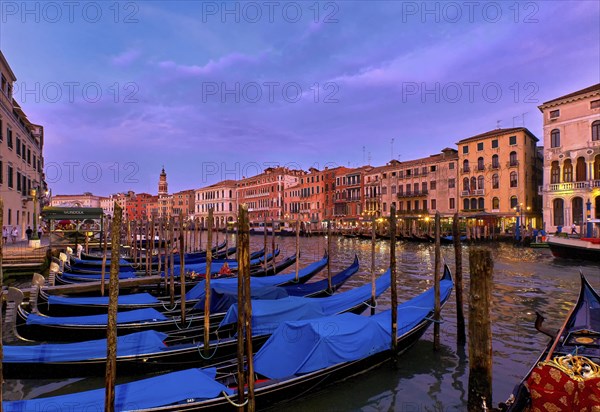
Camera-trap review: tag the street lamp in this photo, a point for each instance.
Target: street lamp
(34, 235)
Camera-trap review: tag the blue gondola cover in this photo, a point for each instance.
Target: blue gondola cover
(171, 388)
(136, 298)
(132, 316)
(135, 344)
(300, 347)
(267, 315)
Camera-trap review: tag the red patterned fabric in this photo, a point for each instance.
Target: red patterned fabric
(552, 390)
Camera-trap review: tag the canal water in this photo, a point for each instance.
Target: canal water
(525, 281)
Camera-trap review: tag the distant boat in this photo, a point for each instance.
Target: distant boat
(581, 249)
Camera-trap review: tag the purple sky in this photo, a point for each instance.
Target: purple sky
(214, 93)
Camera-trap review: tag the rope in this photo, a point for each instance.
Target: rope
(187, 327)
(211, 356)
(370, 306)
(435, 320)
(232, 402)
(169, 309)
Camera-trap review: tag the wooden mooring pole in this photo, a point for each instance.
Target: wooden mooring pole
(394, 286)
(182, 267)
(265, 245)
(172, 260)
(242, 223)
(461, 337)
(244, 273)
(113, 297)
(329, 285)
(298, 249)
(373, 239)
(480, 330)
(273, 242)
(104, 251)
(207, 287)
(436, 284)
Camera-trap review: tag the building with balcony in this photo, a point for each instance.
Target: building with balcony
(348, 197)
(137, 206)
(21, 158)
(499, 172)
(415, 187)
(571, 158)
(222, 198)
(264, 193)
(305, 201)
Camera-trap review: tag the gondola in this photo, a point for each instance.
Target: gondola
(151, 351)
(216, 250)
(569, 367)
(70, 275)
(317, 362)
(68, 306)
(449, 239)
(67, 329)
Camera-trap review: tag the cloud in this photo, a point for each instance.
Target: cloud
(126, 58)
(212, 67)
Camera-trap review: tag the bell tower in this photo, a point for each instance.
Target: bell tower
(162, 184)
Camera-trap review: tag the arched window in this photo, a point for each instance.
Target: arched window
(513, 159)
(514, 182)
(473, 183)
(465, 165)
(480, 163)
(481, 203)
(495, 161)
(495, 204)
(473, 203)
(466, 204)
(513, 202)
(466, 184)
(577, 206)
(555, 138)
(480, 182)
(555, 173)
(596, 130)
(567, 171)
(558, 207)
(580, 172)
(495, 181)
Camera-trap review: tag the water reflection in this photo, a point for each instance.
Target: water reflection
(525, 281)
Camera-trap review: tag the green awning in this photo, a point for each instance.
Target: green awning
(72, 213)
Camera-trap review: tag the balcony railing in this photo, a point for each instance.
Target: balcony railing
(416, 193)
(480, 168)
(475, 192)
(465, 169)
(561, 187)
(513, 163)
(413, 212)
(495, 166)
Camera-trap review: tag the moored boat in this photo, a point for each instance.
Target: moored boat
(566, 377)
(570, 248)
(317, 362)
